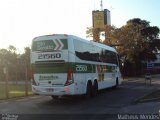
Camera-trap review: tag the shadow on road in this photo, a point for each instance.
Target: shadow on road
(73, 100)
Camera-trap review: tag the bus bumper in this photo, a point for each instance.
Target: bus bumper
(57, 91)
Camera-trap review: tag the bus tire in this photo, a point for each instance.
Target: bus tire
(117, 83)
(88, 90)
(95, 89)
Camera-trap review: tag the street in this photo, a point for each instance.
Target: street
(110, 101)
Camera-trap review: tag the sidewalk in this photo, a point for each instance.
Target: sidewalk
(155, 80)
(149, 106)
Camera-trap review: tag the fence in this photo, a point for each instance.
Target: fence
(18, 87)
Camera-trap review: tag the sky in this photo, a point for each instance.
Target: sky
(22, 20)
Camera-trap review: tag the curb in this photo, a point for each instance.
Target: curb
(16, 98)
(138, 100)
(149, 100)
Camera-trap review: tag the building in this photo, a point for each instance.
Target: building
(154, 66)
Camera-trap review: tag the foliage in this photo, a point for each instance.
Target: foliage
(136, 41)
(16, 64)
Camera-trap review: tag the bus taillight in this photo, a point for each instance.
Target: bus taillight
(32, 79)
(69, 77)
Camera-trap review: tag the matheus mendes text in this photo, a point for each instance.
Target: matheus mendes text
(138, 117)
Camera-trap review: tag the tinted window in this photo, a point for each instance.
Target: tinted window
(89, 53)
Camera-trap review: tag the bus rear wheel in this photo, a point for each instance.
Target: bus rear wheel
(117, 83)
(95, 88)
(88, 90)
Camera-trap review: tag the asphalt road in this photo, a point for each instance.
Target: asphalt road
(109, 102)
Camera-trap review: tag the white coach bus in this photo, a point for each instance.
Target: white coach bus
(65, 65)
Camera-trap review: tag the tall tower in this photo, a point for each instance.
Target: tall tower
(101, 5)
(100, 19)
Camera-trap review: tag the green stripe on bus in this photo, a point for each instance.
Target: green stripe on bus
(76, 68)
(63, 68)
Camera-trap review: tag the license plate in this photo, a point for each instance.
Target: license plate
(49, 89)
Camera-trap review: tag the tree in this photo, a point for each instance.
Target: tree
(95, 34)
(12, 49)
(25, 59)
(8, 59)
(137, 41)
(17, 64)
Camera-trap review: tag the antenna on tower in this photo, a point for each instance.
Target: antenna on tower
(101, 4)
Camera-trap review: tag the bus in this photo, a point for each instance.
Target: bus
(66, 65)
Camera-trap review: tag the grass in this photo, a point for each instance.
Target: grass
(14, 90)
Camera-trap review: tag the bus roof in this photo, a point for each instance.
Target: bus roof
(96, 43)
(81, 39)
